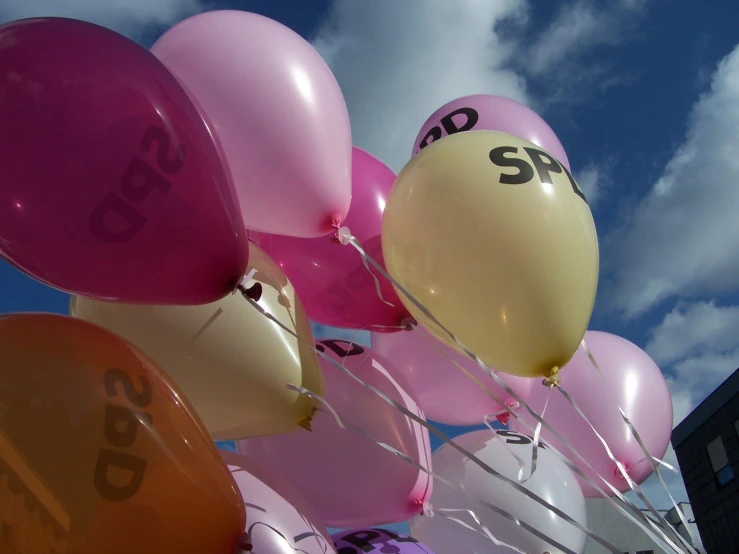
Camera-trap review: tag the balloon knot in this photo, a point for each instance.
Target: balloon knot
(344, 235)
(426, 509)
(244, 544)
(552, 378)
(503, 418)
(305, 423)
(408, 324)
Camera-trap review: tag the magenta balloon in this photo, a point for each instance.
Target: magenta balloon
(111, 185)
(436, 374)
(278, 112)
(377, 541)
(278, 519)
(636, 383)
(332, 281)
(348, 479)
(486, 112)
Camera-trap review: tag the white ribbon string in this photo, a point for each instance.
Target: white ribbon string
(346, 238)
(645, 450)
(486, 532)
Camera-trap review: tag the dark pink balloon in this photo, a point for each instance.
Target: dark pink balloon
(111, 185)
(630, 380)
(348, 479)
(487, 112)
(332, 281)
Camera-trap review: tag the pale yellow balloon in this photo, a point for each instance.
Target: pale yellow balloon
(493, 236)
(231, 362)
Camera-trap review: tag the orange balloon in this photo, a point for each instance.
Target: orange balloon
(99, 452)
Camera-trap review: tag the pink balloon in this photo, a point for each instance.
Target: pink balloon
(348, 479)
(332, 281)
(278, 519)
(633, 379)
(111, 185)
(278, 112)
(486, 112)
(443, 390)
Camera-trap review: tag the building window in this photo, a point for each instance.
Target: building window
(719, 461)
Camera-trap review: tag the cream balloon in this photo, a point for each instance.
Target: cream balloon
(231, 362)
(495, 238)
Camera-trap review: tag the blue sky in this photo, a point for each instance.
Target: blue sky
(644, 96)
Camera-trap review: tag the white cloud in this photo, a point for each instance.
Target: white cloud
(579, 27)
(594, 179)
(682, 238)
(129, 17)
(694, 329)
(398, 63)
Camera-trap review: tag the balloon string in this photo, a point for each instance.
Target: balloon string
(345, 237)
(632, 484)
(482, 528)
(378, 287)
(435, 431)
(537, 433)
(645, 450)
(519, 460)
(427, 509)
(250, 533)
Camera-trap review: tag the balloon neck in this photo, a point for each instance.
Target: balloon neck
(617, 471)
(408, 324)
(503, 418)
(244, 544)
(305, 423)
(551, 378)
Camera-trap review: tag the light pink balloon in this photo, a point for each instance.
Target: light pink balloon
(278, 113)
(444, 391)
(638, 386)
(487, 112)
(274, 508)
(347, 478)
(336, 287)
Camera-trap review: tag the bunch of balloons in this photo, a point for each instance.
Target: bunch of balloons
(154, 185)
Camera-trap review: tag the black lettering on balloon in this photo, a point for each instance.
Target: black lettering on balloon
(545, 165)
(450, 126)
(575, 187)
(471, 119)
(116, 376)
(361, 539)
(514, 438)
(342, 352)
(111, 459)
(499, 158)
(397, 538)
(433, 135)
(139, 179)
(114, 221)
(121, 425)
(136, 183)
(154, 135)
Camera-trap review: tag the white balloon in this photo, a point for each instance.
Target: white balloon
(552, 481)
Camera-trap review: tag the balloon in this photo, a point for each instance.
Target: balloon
(280, 520)
(110, 183)
(487, 112)
(361, 541)
(278, 112)
(438, 376)
(638, 386)
(496, 240)
(99, 451)
(336, 286)
(232, 362)
(349, 480)
(553, 482)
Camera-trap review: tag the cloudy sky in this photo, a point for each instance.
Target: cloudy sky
(644, 96)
